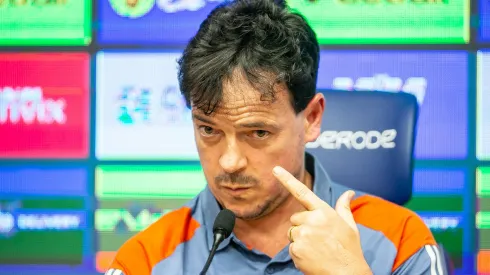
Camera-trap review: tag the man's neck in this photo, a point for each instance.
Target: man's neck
(269, 233)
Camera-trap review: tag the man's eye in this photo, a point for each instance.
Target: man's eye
(261, 134)
(206, 130)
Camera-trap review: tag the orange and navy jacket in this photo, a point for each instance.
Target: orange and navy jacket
(394, 240)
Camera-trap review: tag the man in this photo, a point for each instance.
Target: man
(250, 76)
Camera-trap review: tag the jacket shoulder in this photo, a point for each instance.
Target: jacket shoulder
(403, 227)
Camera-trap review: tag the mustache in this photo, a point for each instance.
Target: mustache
(236, 179)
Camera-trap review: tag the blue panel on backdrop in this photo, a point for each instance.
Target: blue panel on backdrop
(439, 80)
(484, 20)
(43, 216)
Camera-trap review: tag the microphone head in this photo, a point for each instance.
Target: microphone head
(224, 222)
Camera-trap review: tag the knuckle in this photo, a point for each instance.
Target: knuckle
(319, 217)
(300, 232)
(295, 249)
(304, 232)
(316, 220)
(294, 217)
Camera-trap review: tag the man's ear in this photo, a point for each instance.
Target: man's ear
(313, 114)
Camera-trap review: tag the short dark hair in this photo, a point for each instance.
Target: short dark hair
(259, 37)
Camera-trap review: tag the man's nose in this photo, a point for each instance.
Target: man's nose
(232, 160)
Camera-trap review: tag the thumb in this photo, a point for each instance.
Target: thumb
(342, 207)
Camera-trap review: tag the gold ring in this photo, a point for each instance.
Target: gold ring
(290, 235)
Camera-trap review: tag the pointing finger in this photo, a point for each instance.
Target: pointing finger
(304, 195)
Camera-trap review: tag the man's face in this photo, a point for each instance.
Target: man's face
(245, 138)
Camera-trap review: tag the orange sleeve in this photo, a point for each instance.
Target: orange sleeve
(404, 228)
(132, 259)
(142, 252)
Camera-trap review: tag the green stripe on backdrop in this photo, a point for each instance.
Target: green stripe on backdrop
(150, 181)
(483, 182)
(436, 203)
(43, 247)
(140, 203)
(483, 220)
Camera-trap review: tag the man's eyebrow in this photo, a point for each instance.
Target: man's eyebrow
(255, 125)
(258, 124)
(203, 119)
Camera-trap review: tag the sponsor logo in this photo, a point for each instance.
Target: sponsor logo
(27, 105)
(383, 82)
(138, 8)
(132, 8)
(42, 115)
(14, 218)
(48, 221)
(42, 220)
(7, 222)
(359, 140)
(172, 6)
(134, 105)
(442, 223)
(125, 220)
(142, 105)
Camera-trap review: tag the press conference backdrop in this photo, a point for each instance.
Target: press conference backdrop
(96, 142)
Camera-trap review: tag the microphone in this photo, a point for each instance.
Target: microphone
(222, 228)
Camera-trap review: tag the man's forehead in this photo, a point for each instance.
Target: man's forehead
(239, 92)
(239, 95)
(241, 106)
(247, 98)
(251, 101)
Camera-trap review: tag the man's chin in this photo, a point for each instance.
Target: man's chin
(249, 216)
(245, 213)
(247, 208)
(240, 211)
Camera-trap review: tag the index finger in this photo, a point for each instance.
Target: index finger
(302, 193)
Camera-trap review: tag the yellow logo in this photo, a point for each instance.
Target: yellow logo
(132, 8)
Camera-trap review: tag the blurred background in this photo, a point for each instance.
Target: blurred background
(96, 142)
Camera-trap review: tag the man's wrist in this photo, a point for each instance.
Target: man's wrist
(363, 269)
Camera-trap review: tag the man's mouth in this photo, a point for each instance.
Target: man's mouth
(236, 190)
(236, 187)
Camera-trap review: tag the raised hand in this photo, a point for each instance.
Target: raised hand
(323, 240)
